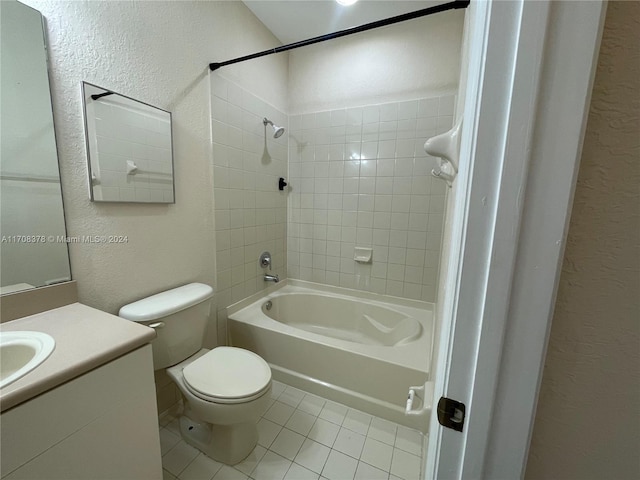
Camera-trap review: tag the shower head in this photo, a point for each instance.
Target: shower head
(277, 131)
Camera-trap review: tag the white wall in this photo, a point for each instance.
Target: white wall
(415, 59)
(360, 178)
(587, 421)
(407, 62)
(157, 52)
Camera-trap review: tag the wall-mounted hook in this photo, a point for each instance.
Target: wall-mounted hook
(281, 184)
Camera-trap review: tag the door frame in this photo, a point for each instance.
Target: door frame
(530, 74)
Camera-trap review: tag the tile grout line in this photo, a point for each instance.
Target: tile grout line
(306, 437)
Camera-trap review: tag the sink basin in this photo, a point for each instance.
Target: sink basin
(21, 352)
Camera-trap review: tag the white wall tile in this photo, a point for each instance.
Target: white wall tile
(243, 181)
(366, 181)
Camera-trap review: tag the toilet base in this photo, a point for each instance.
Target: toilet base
(229, 444)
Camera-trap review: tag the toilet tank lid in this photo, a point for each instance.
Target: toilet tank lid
(166, 303)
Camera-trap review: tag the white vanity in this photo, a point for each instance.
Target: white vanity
(89, 409)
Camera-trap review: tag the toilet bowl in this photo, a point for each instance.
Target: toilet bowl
(225, 390)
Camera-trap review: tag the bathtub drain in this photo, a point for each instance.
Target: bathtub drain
(268, 305)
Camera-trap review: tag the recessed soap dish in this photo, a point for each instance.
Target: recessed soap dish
(363, 254)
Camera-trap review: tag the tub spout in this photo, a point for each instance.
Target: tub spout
(271, 278)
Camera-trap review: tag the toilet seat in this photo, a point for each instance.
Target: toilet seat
(228, 375)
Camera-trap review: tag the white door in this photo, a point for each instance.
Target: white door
(530, 73)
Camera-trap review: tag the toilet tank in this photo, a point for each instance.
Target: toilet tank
(179, 317)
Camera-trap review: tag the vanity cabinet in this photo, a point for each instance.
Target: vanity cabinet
(100, 425)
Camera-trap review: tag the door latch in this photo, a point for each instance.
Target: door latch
(451, 413)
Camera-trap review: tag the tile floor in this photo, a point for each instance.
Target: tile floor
(303, 436)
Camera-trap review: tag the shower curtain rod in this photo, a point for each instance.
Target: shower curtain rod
(349, 31)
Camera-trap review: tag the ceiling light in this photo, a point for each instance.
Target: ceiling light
(346, 3)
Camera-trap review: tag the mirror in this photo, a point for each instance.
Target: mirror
(129, 148)
(33, 250)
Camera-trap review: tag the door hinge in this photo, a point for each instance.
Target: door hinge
(451, 413)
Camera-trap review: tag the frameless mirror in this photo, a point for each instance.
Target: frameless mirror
(129, 148)
(33, 250)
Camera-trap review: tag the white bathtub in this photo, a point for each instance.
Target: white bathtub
(356, 348)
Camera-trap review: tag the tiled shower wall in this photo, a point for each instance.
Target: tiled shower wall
(250, 211)
(360, 177)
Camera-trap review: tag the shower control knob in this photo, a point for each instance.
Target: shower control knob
(281, 184)
(265, 260)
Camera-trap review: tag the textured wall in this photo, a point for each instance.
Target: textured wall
(156, 52)
(588, 418)
(415, 59)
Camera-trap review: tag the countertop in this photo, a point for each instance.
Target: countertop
(85, 339)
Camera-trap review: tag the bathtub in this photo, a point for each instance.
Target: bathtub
(356, 348)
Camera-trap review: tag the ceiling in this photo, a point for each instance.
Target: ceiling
(292, 21)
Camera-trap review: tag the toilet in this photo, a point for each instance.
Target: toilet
(225, 390)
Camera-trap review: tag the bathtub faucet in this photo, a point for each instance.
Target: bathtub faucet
(271, 278)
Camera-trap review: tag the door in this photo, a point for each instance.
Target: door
(530, 73)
